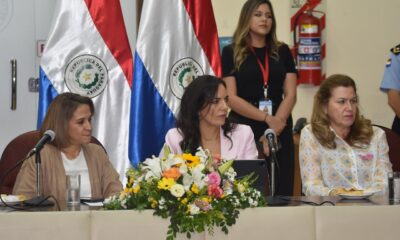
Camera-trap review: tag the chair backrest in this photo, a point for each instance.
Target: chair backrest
(16, 150)
(394, 147)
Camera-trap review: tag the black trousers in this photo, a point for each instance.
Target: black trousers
(284, 170)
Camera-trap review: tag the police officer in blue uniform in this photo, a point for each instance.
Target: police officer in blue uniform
(391, 85)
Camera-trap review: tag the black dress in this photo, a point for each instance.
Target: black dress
(249, 85)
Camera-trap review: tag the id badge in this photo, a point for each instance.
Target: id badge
(265, 105)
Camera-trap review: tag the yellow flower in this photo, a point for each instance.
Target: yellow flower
(184, 201)
(195, 188)
(191, 161)
(136, 189)
(127, 190)
(206, 199)
(131, 179)
(154, 204)
(122, 196)
(166, 183)
(241, 188)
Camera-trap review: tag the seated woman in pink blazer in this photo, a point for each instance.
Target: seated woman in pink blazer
(202, 122)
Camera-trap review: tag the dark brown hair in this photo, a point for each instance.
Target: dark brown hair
(197, 96)
(241, 36)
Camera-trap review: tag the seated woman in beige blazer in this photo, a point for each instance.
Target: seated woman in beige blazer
(69, 116)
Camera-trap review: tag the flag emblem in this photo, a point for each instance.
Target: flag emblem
(183, 72)
(86, 75)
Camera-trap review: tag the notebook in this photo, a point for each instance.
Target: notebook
(259, 167)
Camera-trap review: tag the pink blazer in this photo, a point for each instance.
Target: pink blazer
(242, 145)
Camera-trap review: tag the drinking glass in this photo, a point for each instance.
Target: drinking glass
(73, 189)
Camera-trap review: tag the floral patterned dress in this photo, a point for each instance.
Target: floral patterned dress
(362, 167)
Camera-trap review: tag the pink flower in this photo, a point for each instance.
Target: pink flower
(203, 205)
(214, 178)
(215, 191)
(366, 157)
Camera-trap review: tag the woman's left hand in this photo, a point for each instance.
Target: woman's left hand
(276, 123)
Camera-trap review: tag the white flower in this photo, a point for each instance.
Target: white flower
(203, 155)
(153, 167)
(110, 199)
(183, 169)
(194, 209)
(187, 181)
(177, 190)
(161, 201)
(198, 178)
(252, 202)
(171, 161)
(230, 174)
(200, 166)
(123, 204)
(227, 186)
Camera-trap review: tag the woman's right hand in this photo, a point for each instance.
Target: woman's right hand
(275, 123)
(264, 143)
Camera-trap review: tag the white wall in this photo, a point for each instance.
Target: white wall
(359, 34)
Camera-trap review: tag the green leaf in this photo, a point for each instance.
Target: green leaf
(166, 150)
(224, 167)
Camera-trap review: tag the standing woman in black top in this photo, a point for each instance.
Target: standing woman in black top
(260, 75)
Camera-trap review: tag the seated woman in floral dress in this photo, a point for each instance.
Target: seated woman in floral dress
(340, 149)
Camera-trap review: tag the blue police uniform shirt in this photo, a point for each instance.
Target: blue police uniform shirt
(391, 76)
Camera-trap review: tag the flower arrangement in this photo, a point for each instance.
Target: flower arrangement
(195, 192)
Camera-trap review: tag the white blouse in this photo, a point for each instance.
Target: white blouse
(323, 169)
(79, 166)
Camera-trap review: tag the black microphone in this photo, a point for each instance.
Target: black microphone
(48, 136)
(271, 138)
(300, 123)
(273, 200)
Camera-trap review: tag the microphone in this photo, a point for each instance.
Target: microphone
(271, 137)
(273, 200)
(48, 136)
(300, 123)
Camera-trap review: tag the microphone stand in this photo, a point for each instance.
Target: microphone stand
(39, 200)
(273, 200)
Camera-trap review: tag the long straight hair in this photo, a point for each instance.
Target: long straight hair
(241, 37)
(198, 96)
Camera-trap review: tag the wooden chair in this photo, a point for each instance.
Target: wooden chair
(297, 177)
(393, 140)
(16, 150)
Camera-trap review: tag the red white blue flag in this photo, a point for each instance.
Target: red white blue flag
(87, 52)
(177, 41)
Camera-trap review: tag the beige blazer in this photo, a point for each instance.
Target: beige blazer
(104, 180)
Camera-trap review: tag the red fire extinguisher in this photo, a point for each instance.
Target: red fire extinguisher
(308, 48)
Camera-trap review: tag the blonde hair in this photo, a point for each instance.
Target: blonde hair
(241, 36)
(361, 131)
